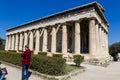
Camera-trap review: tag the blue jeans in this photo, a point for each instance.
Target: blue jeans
(25, 72)
(2, 76)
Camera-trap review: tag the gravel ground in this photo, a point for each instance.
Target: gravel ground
(15, 74)
(112, 72)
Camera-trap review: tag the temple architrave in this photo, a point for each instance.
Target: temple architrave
(80, 30)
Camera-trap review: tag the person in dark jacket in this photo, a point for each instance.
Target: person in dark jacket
(26, 57)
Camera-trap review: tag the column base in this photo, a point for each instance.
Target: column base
(35, 52)
(100, 61)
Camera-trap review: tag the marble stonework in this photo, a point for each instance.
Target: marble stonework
(80, 30)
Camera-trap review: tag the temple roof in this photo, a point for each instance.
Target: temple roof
(97, 6)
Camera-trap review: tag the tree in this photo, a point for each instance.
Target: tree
(0, 41)
(2, 44)
(114, 49)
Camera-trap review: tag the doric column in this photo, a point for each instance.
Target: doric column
(92, 37)
(37, 42)
(13, 41)
(77, 38)
(31, 41)
(97, 39)
(64, 39)
(25, 39)
(107, 49)
(53, 43)
(10, 42)
(103, 43)
(16, 42)
(6, 44)
(21, 42)
(100, 40)
(44, 48)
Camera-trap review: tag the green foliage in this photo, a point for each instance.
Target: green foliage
(1, 41)
(2, 44)
(57, 55)
(78, 59)
(42, 64)
(20, 51)
(10, 57)
(48, 65)
(42, 53)
(11, 50)
(114, 49)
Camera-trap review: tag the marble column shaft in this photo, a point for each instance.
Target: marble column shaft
(31, 40)
(13, 41)
(16, 42)
(21, 42)
(77, 38)
(64, 39)
(97, 40)
(53, 42)
(44, 48)
(25, 39)
(10, 42)
(92, 37)
(6, 44)
(107, 49)
(37, 42)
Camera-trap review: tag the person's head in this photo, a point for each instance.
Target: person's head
(26, 47)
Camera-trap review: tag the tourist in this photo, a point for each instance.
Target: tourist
(3, 72)
(26, 56)
(118, 56)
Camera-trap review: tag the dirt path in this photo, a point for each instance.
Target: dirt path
(112, 72)
(15, 74)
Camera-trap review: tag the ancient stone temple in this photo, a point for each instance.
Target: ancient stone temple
(80, 30)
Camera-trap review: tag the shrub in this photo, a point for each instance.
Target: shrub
(10, 57)
(48, 65)
(57, 55)
(11, 50)
(20, 50)
(42, 64)
(42, 53)
(78, 59)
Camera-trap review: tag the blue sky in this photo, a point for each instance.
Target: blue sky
(15, 12)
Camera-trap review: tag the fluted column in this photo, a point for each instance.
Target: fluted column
(103, 43)
(100, 40)
(64, 39)
(77, 38)
(25, 39)
(10, 42)
(21, 42)
(92, 37)
(31, 41)
(44, 48)
(97, 39)
(13, 41)
(6, 44)
(107, 49)
(16, 42)
(53, 43)
(37, 42)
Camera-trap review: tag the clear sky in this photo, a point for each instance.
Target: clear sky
(16, 12)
